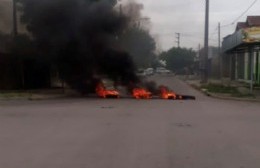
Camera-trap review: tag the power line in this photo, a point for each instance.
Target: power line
(232, 23)
(244, 12)
(226, 25)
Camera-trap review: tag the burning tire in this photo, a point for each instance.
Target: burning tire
(101, 91)
(141, 93)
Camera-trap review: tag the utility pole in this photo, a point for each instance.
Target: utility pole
(178, 39)
(15, 33)
(200, 60)
(120, 9)
(14, 19)
(219, 40)
(219, 52)
(206, 45)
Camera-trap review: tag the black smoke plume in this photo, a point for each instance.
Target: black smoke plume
(80, 39)
(5, 11)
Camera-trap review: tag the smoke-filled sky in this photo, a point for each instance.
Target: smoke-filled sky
(185, 17)
(5, 15)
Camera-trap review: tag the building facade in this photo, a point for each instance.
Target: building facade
(241, 50)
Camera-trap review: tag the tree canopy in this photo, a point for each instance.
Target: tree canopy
(178, 58)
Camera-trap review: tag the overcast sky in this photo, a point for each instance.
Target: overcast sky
(187, 18)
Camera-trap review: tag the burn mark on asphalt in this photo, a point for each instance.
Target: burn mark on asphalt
(107, 107)
(183, 125)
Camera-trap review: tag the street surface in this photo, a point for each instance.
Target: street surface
(129, 133)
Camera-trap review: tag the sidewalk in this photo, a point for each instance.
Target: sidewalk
(42, 94)
(243, 90)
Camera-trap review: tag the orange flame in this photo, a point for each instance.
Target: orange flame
(139, 93)
(166, 93)
(102, 92)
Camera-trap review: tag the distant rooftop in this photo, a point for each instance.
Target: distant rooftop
(245, 33)
(251, 21)
(241, 25)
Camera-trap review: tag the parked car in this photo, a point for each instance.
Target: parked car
(149, 71)
(140, 72)
(162, 70)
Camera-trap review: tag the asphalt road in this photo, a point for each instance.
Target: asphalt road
(128, 133)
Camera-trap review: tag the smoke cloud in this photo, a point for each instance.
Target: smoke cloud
(80, 38)
(6, 16)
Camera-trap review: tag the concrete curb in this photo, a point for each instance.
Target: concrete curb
(218, 95)
(231, 98)
(45, 97)
(33, 97)
(13, 98)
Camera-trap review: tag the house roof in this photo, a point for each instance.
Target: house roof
(251, 21)
(241, 25)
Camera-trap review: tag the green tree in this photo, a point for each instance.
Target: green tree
(178, 59)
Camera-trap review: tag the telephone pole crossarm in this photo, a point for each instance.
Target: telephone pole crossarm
(178, 36)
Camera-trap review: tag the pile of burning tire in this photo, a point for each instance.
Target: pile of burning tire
(142, 93)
